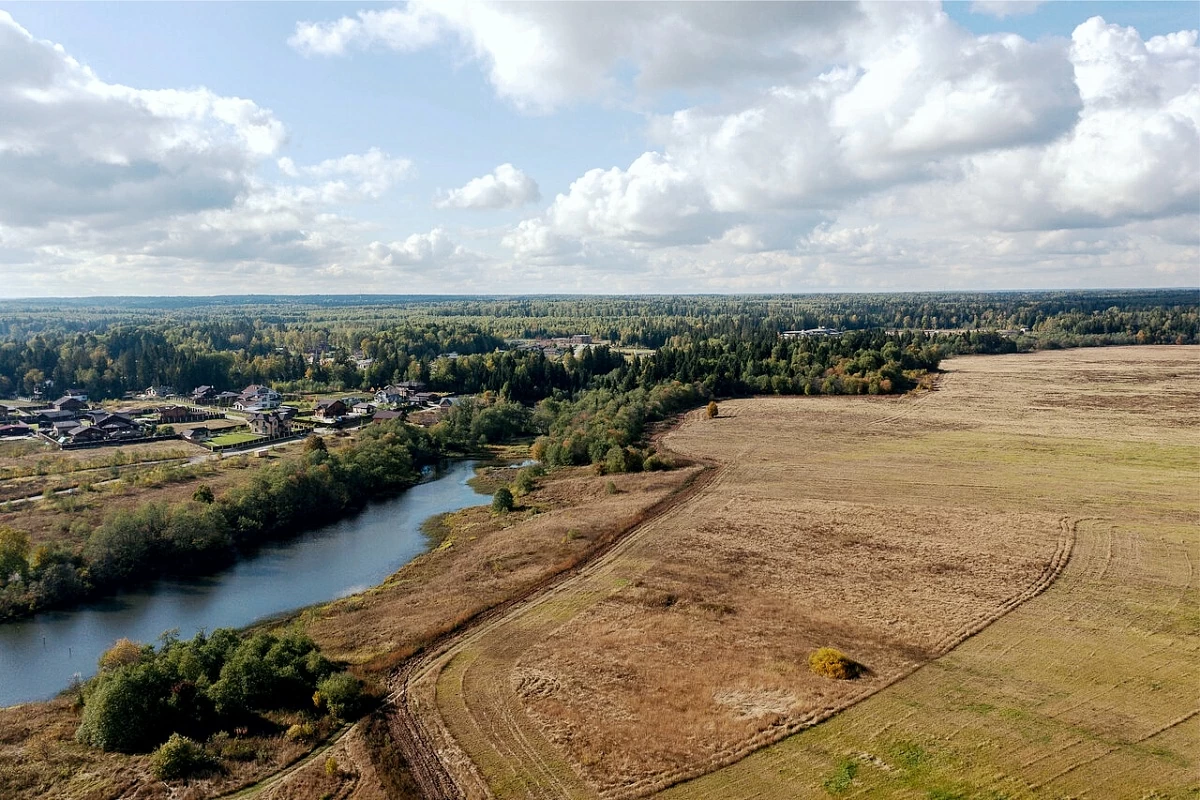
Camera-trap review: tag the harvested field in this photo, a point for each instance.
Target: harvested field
(891, 529)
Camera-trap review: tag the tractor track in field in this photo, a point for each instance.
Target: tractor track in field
(415, 740)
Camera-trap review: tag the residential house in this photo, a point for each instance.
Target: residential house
(330, 410)
(116, 423)
(204, 394)
(443, 403)
(63, 428)
(82, 434)
(287, 412)
(421, 398)
(50, 416)
(168, 415)
(389, 397)
(226, 398)
(160, 391)
(385, 416)
(363, 407)
(17, 429)
(69, 403)
(270, 423)
(4, 412)
(77, 394)
(262, 394)
(200, 433)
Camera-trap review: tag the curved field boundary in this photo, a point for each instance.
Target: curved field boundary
(450, 771)
(429, 750)
(772, 735)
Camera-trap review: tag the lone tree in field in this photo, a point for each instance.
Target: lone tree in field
(830, 663)
(711, 410)
(314, 443)
(502, 501)
(203, 494)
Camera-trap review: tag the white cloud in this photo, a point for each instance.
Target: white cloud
(505, 187)
(544, 55)
(1002, 9)
(409, 28)
(371, 174)
(80, 148)
(421, 249)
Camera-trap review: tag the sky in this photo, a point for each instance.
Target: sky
(597, 147)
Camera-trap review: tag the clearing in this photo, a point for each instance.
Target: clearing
(891, 528)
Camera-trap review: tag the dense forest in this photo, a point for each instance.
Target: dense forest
(113, 346)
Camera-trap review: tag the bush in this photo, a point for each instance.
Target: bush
(341, 693)
(830, 663)
(122, 654)
(711, 409)
(203, 494)
(502, 501)
(179, 757)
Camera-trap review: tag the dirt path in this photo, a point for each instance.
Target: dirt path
(438, 765)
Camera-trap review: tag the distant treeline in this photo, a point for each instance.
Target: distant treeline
(112, 346)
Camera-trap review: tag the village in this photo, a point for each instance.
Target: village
(214, 418)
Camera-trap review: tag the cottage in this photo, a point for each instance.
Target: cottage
(83, 434)
(114, 423)
(270, 423)
(363, 407)
(287, 412)
(161, 391)
(50, 416)
(330, 409)
(77, 394)
(69, 403)
(198, 434)
(226, 398)
(63, 428)
(174, 414)
(443, 403)
(389, 397)
(387, 416)
(19, 429)
(204, 394)
(261, 394)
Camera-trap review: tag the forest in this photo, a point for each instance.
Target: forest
(655, 356)
(111, 346)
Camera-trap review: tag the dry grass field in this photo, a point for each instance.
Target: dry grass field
(892, 529)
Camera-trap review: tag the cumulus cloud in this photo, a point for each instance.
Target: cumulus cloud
(505, 187)
(114, 188)
(939, 131)
(79, 147)
(544, 55)
(421, 249)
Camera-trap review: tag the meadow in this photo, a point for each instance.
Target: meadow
(1010, 555)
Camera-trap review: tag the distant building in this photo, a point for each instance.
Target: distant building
(69, 403)
(198, 434)
(385, 416)
(363, 407)
(330, 410)
(160, 391)
(173, 414)
(204, 394)
(17, 429)
(86, 433)
(810, 332)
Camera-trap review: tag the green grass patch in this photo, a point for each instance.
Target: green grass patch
(839, 782)
(234, 438)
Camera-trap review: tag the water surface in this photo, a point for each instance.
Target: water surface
(40, 656)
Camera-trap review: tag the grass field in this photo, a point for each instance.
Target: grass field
(892, 529)
(227, 439)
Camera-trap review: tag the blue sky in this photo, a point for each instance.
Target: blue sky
(672, 147)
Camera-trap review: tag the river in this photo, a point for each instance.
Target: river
(40, 656)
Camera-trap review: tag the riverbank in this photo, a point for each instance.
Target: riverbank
(481, 561)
